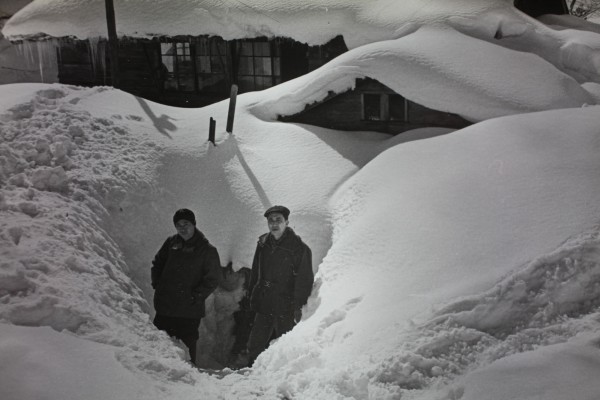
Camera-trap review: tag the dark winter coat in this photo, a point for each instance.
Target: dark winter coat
(282, 276)
(184, 274)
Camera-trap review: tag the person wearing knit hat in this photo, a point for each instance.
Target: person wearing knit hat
(280, 283)
(184, 213)
(185, 271)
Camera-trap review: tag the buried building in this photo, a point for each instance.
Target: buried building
(372, 106)
(189, 71)
(189, 54)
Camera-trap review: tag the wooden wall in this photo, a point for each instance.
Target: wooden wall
(345, 112)
(85, 64)
(535, 8)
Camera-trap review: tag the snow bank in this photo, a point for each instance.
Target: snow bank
(452, 216)
(62, 174)
(428, 250)
(41, 357)
(91, 196)
(562, 22)
(424, 67)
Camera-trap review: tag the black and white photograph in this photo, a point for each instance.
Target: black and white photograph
(299, 199)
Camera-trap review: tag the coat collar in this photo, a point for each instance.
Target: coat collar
(197, 240)
(289, 240)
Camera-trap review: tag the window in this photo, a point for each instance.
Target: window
(211, 64)
(176, 57)
(205, 64)
(398, 108)
(259, 66)
(372, 107)
(384, 107)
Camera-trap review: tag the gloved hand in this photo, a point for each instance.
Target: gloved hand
(297, 315)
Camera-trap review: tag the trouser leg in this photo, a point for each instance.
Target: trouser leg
(284, 324)
(184, 329)
(190, 343)
(260, 335)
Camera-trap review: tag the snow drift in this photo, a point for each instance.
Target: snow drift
(408, 314)
(424, 67)
(446, 260)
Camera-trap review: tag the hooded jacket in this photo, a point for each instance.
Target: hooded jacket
(184, 274)
(282, 276)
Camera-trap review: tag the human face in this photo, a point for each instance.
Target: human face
(277, 224)
(185, 229)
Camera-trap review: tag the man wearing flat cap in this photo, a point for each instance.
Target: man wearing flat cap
(280, 283)
(185, 271)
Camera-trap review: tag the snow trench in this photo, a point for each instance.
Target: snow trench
(71, 186)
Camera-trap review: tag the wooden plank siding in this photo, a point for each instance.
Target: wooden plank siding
(535, 8)
(346, 111)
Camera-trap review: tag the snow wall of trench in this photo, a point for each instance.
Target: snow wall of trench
(87, 207)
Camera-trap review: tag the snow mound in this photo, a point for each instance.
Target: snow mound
(552, 300)
(470, 247)
(442, 258)
(424, 68)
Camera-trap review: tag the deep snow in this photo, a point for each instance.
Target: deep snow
(494, 249)
(451, 265)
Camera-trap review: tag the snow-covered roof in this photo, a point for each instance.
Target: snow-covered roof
(444, 70)
(309, 21)
(571, 46)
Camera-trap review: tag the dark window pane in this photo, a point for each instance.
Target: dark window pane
(202, 47)
(277, 66)
(262, 49)
(262, 66)
(184, 65)
(276, 50)
(372, 107)
(203, 64)
(397, 108)
(212, 83)
(186, 83)
(246, 83)
(216, 64)
(246, 66)
(246, 49)
(221, 49)
(265, 82)
(259, 83)
(217, 47)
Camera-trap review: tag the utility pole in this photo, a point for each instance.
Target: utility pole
(113, 42)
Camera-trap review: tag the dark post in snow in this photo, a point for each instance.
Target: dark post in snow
(231, 113)
(113, 42)
(211, 130)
